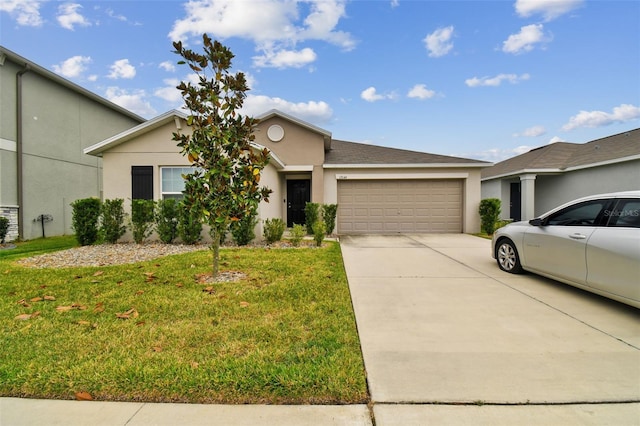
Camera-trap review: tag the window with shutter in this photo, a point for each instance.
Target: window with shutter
(142, 182)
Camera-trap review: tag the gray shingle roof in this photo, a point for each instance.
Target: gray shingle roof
(343, 152)
(564, 155)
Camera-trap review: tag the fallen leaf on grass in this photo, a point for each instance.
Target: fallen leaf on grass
(75, 306)
(202, 278)
(131, 313)
(24, 317)
(49, 298)
(150, 276)
(98, 308)
(139, 293)
(244, 304)
(209, 290)
(24, 303)
(156, 349)
(36, 299)
(84, 396)
(98, 273)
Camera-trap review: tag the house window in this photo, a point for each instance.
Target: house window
(172, 182)
(142, 182)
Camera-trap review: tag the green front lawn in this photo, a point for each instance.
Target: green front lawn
(152, 332)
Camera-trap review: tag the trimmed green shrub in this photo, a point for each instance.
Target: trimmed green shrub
(141, 219)
(329, 212)
(311, 215)
(189, 224)
(166, 218)
(489, 214)
(273, 230)
(112, 220)
(297, 234)
(4, 228)
(84, 220)
(319, 232)
(243, 230)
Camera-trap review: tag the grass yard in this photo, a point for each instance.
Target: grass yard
(152, 331)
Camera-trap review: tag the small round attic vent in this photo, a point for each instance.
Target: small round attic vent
(275, 133)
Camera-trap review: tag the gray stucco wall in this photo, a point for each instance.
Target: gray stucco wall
(58, 123)
(552, 191)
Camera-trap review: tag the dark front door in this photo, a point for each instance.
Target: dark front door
(298, 195)
(516, 202)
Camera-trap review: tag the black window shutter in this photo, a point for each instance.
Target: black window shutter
(142, 182)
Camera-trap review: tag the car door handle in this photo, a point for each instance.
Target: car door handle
(577, 236)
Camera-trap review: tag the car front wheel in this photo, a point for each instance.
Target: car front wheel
(507, 257)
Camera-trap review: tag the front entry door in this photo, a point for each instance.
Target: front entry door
(516, 202)
(298, 195)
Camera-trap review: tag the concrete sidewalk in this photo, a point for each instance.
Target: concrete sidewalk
(447, 339)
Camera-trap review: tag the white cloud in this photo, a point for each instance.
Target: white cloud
(169, 92)
(549, 9)
(439, 42)
(556, 139)
(135, 101)
(25, 12)
(167, 66)
(112, 14)
(532, 132)
(122, 69)
(72, 67)
(620, 114)
(370, 94)
(68, 16)
(525, 40)
(312, 111)
(420, 91)
(395, 3)
(497, 80)
(274, 26)
(285, 58)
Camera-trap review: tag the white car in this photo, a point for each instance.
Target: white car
(592, 243)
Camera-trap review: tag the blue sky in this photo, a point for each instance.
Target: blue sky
(477, 79)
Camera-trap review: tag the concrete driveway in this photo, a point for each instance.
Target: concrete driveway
(448, 337)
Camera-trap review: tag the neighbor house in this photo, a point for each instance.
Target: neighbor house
(45, 123)
(378, 190)
(546, 177)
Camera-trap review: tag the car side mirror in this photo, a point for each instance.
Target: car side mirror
(536, 222)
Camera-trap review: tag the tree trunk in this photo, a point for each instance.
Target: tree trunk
(215, 249)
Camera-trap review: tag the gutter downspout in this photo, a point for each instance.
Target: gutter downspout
(19, 137)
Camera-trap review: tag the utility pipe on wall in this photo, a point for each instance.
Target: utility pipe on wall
(19, 136)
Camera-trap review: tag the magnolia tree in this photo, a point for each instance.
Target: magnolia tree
(225, 184)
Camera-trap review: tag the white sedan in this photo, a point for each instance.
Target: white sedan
(592, 243)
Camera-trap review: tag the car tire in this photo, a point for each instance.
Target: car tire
(507, 257)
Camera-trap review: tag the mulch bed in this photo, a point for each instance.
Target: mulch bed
(123, 253)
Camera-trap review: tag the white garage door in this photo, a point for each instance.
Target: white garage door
(399, 206)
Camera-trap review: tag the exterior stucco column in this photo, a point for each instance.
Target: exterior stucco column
(527, 195)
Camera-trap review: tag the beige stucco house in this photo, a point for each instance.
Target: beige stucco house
(378, 190)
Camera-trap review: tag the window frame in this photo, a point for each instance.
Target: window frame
(164, 194)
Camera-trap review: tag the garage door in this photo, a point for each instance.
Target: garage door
(399, 206)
